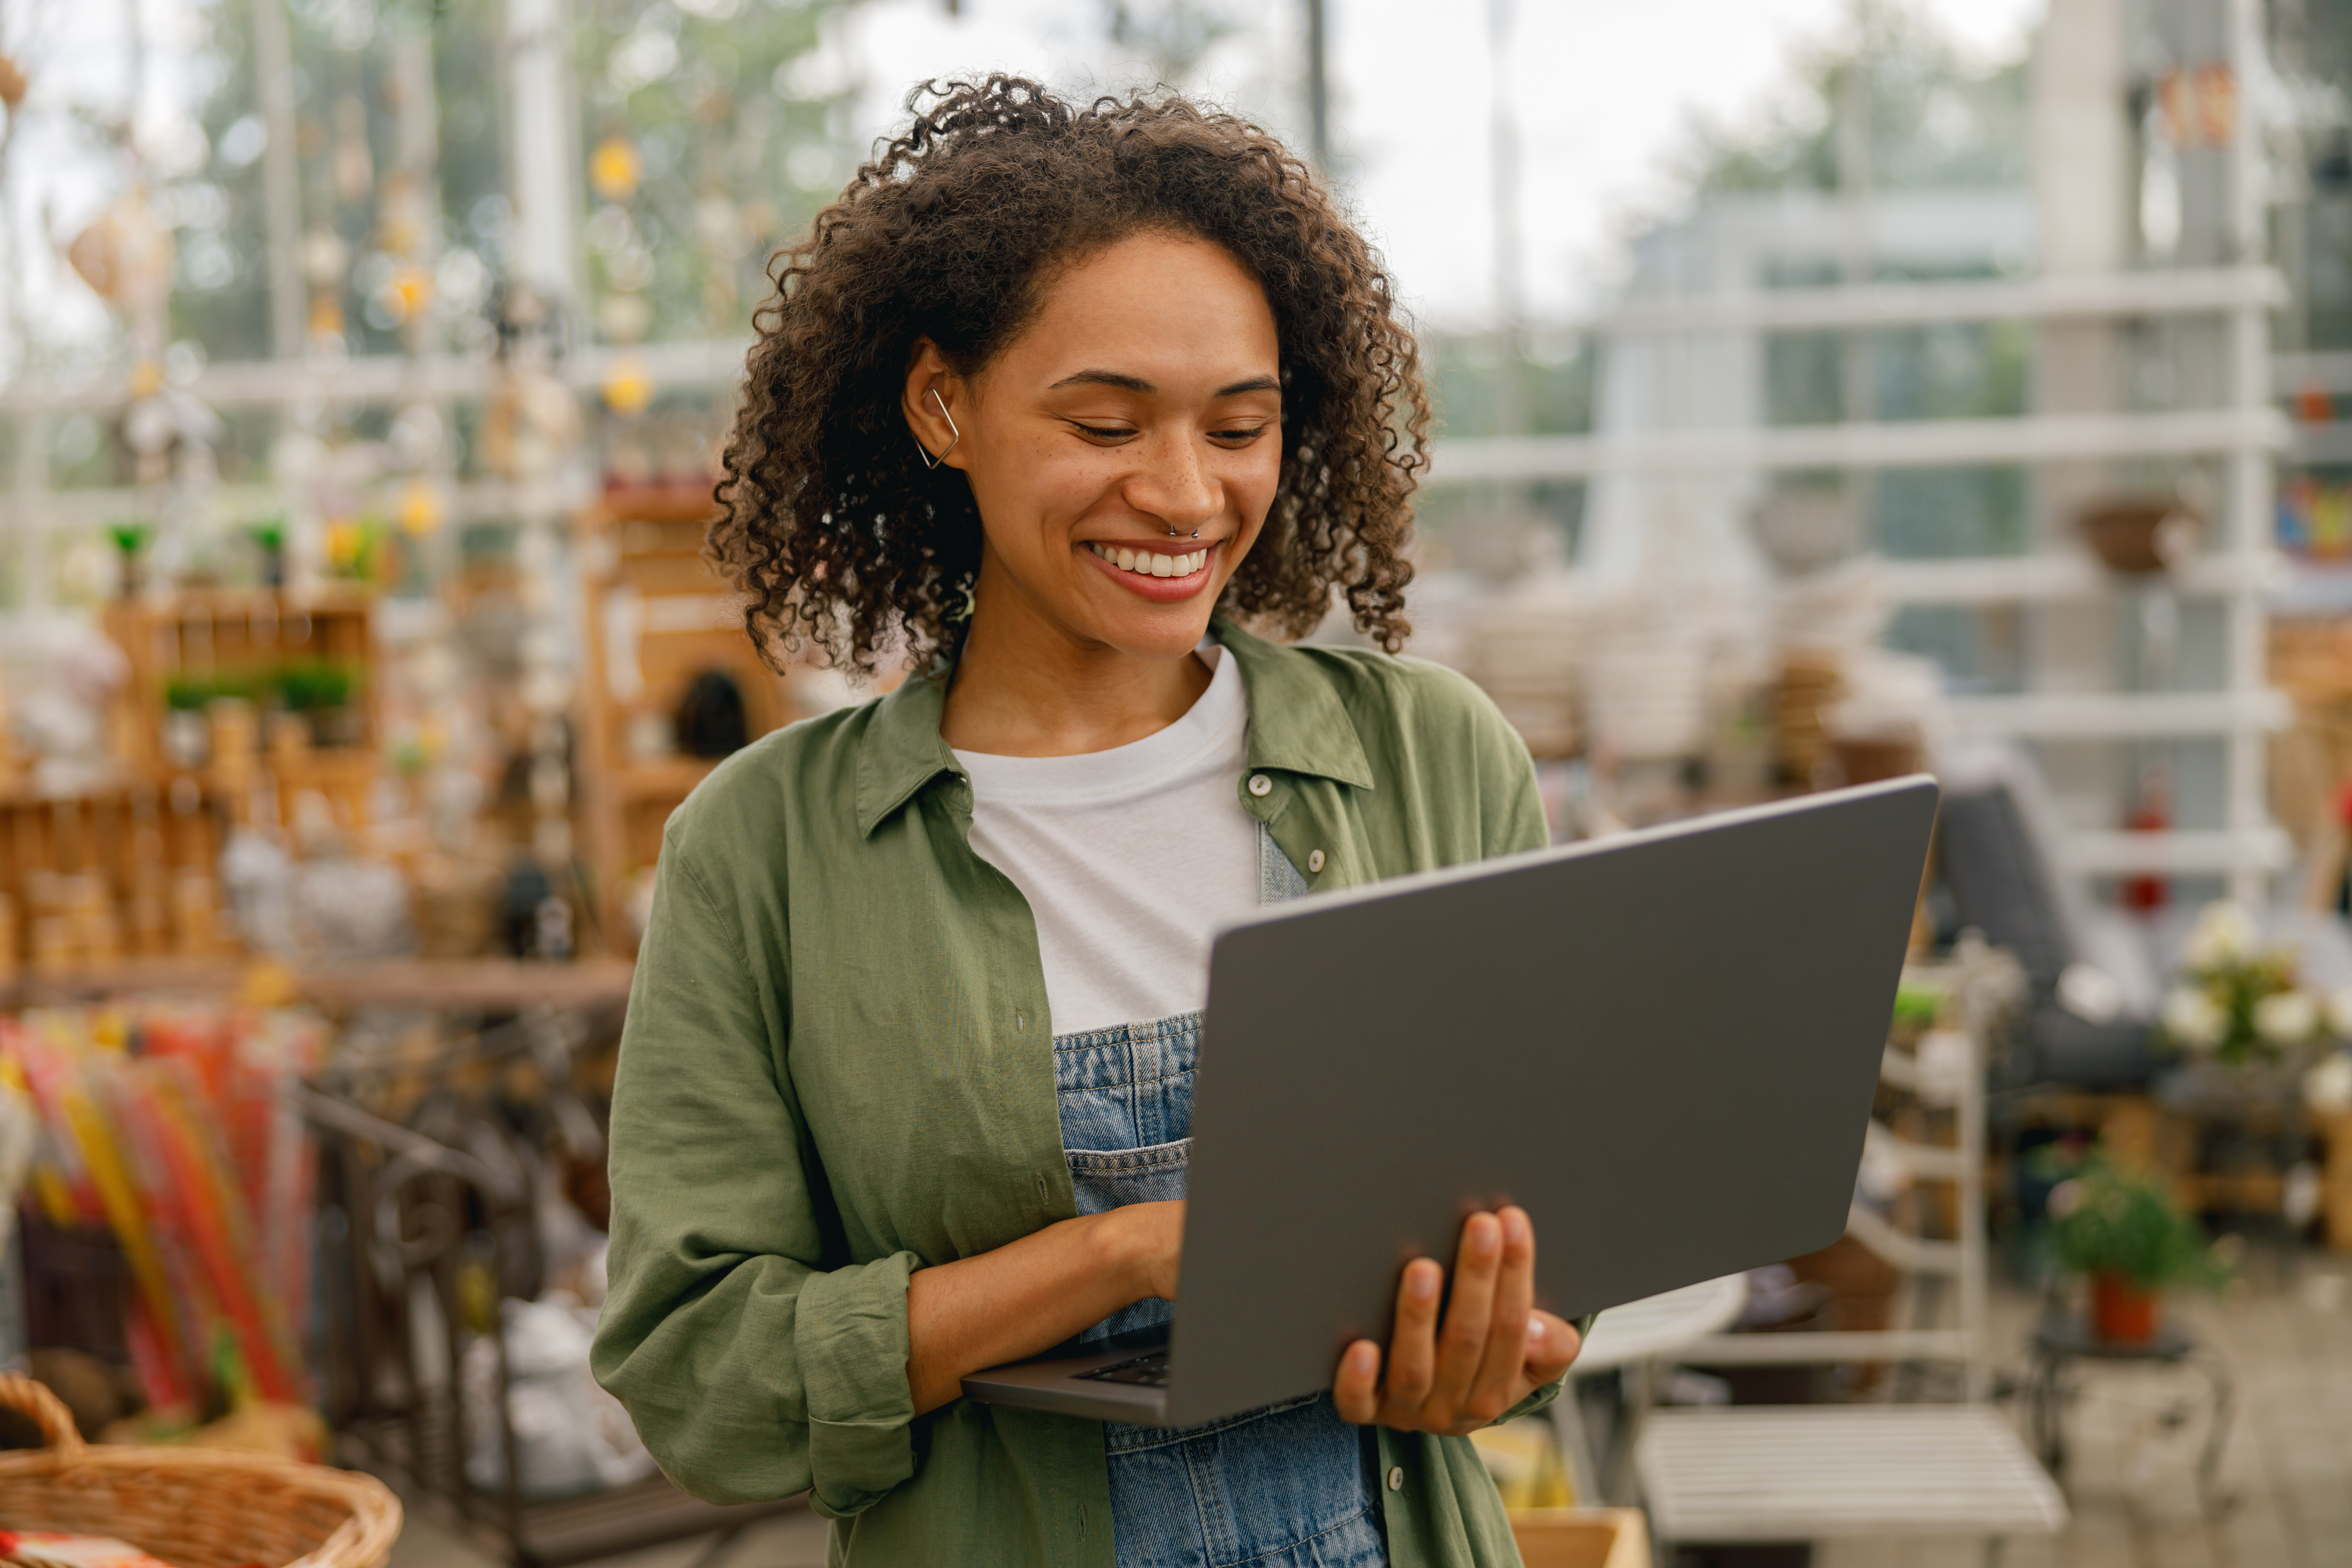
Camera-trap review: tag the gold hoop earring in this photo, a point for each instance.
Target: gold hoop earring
(929, 461)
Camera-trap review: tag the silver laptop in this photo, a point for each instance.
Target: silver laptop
(1663, 1046)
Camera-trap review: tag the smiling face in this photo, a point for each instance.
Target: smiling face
(1123, 449)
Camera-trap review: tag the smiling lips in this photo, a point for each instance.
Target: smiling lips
(1148, 563)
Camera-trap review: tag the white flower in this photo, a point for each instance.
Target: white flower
(2194, 1019)
(2224, 934)
(2286, 1018)
(2339, 1014)
(2327, 1088)
(2090, 993)
(2065, 1198)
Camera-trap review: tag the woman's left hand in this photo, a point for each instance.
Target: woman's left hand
(1493, 1349)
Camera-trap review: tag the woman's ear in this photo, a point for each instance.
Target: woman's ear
(932, 404)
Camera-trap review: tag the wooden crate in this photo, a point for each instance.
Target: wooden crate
(1582, 1537)
(249, 633)
(2334, 1130)
(122, 872)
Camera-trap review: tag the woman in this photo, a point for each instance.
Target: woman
(906, 1085)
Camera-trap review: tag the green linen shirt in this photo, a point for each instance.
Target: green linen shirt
(838, 1068)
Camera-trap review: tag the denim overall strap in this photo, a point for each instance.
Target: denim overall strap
(1289, 1486)
(1279, 881)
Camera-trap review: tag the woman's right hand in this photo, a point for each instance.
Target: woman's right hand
(1494, 1348)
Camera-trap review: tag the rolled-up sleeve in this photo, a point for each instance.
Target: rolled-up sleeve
(754, 1364)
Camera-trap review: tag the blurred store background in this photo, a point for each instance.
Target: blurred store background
(1831, 388)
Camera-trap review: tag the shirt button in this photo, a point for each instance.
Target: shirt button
(1315, 860)
(1260, 784)
(1396, 1478)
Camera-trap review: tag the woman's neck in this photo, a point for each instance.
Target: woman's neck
(1026, 686)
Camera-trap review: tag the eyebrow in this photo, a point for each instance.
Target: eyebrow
(1125, 383)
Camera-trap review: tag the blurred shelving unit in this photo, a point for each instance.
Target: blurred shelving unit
(213, 641)
(2243, 433)
(657, 617)
(2239, 573)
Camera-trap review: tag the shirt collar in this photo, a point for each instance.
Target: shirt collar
(901, 750)
(1297, 724)
(1306, 727)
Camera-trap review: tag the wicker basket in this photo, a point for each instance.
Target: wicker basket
(194, 1508)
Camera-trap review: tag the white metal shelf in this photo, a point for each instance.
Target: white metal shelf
(381, 378)
(2009, 579)
(2104, 715)
(2330, 442)
(2327, 370)
(2176, 852)
(2186, 291)
(80, 508)
(394, 378)
(1886, 444)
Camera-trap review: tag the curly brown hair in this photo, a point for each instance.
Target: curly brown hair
(834, 531)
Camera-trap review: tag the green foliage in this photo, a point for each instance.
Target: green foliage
(220, 286)
(729, 108)
(2110, 1220)
(2238, 989)
(1934, 121)
(194, 693)
(1917, 1006)
(315, 686)
(308, 686)
(130, 534)
(1174, 37)
(2234, 998)
(1554, 389)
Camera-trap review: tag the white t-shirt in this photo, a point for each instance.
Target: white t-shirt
(1129, 858)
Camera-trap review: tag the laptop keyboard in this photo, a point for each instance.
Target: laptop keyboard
(1150, 1371)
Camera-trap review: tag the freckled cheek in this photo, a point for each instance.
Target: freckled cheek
(1249, 491)
(1050, 495)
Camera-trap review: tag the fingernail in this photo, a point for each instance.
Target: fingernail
(1483, 1235)
(1425, 1283)
(1535, 1328)
(1361, 1358)
(1520, 1229)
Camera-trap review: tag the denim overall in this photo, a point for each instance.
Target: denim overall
(1289, 1486)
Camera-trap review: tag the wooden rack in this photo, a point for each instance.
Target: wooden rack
(124, 873)
(247, 636)
(658, 615)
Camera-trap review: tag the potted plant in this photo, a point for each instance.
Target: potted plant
(268, 536)
(319, 692)
(2120, 1230)
(2136, 535)
(130, 536)
(2237, 1002)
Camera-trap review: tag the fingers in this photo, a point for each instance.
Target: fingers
(1412, 1342)
(1552, 1344)
(1469, 1314)
(1496, 1384)
(1355, 1387)
(1492, 1348)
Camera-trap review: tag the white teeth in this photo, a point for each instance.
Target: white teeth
(1150, 564)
